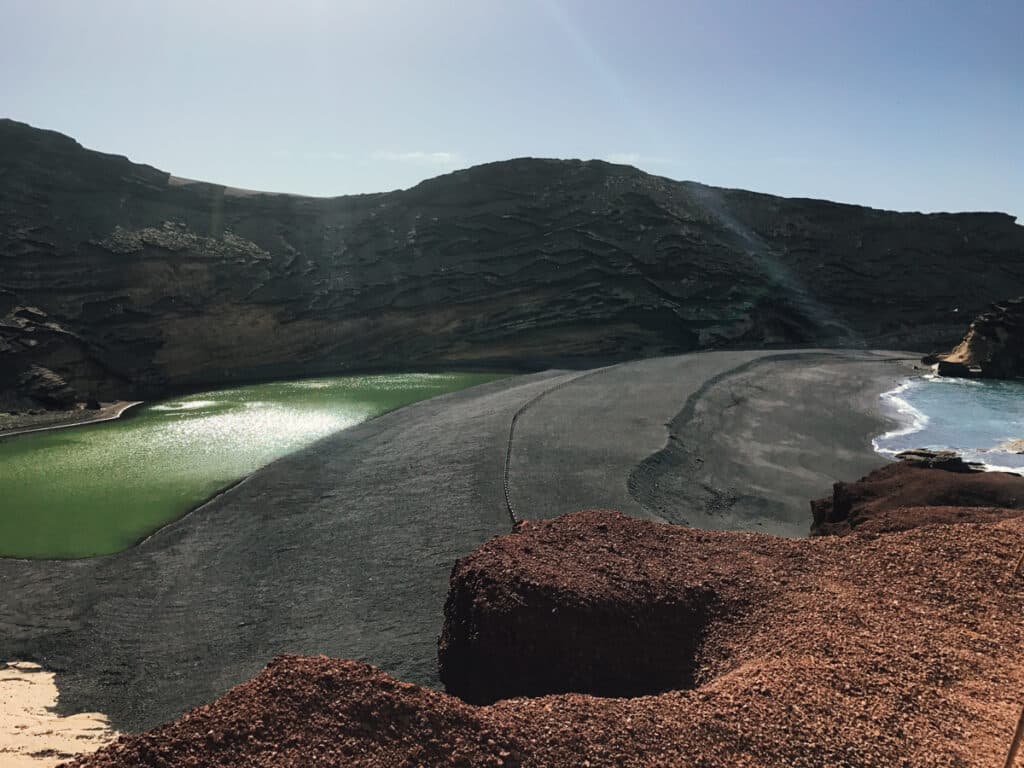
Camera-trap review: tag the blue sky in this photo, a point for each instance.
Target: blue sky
(912, 105)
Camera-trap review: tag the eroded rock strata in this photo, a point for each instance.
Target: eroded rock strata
(910, 493)
(127, 282)
(993, 346)
(894, 650)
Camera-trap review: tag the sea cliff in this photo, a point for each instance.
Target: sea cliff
(121, 281)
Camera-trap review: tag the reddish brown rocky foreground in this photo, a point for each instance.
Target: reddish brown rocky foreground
(908, 494)
(866, 650)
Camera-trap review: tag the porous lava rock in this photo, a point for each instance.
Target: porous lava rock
(919, 491)
(899, 650)
(563, 625)
(141, 284)
(993, 346)
(905, 518)
(316, 711)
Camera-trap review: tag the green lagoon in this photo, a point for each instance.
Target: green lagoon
(97, 489)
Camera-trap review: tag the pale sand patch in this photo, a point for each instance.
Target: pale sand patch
(32, 735)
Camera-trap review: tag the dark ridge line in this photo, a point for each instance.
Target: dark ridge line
(633, 482)
(513, 517)
(685, 413)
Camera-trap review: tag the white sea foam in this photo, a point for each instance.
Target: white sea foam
(1000, 468)
(967, 417)
(912, 419)
(955, 381)
(987, 460)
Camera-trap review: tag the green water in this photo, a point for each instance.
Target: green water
(98, 489)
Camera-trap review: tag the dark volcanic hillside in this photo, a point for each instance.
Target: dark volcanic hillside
(129, 282)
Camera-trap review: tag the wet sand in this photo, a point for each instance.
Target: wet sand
(345, 548)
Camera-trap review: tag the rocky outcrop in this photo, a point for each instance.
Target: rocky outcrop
(993, 346)
(47, 388)
(925, 487)
(950, 461)
(896, 650)
(128, 282)
(493, 647)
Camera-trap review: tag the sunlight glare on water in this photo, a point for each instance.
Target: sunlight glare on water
(97, 489)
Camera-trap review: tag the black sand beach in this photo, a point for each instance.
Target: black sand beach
(345, 548)
(755, 445)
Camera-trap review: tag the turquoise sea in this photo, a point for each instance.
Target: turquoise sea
(972, 417)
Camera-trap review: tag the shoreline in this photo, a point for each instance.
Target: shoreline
(753, 446)
(362, 501)
(365, 525)
(109, 412)
(908, 419)
(911, 420)
(24, 423)
(650, 438)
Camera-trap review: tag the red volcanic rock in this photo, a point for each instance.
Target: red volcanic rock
(563, 623)
(905, 518)
(900, 650)
(316, 711)
(907, 494)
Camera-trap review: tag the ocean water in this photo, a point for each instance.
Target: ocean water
(97, 489)
(972, 417)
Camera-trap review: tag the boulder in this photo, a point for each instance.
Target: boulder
(950, 461)
(925, 487)
(612, 600)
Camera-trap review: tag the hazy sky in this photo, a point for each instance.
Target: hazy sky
(913, 105)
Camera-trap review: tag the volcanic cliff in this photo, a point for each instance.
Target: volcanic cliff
(993, 346)
(124, 281)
